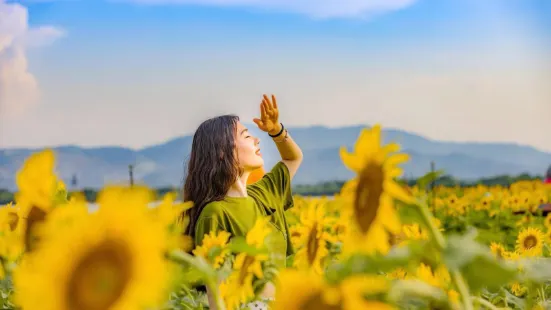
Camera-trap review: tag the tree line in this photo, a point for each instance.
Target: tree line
(332, 187)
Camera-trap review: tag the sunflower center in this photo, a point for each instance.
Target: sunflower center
(312, 244)
(368, 195)
(393, 239)
(530, 242)
(100, 277)
(316, 303)
(36, 216)
(340, 229)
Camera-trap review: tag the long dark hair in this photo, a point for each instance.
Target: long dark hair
(548, 173)
(212, 167)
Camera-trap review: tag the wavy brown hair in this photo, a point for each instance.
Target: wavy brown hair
(212, 167)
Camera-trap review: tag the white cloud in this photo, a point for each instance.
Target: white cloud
(314, 8)
(18, 87)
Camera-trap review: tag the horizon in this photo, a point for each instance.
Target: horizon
(140, 73)
(168, 140)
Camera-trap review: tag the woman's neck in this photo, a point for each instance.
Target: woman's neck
(239, 188)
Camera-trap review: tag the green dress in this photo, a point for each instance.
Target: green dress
(269, 197)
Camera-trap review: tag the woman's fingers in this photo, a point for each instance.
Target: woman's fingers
(263, 114)
(274, 102)
(258, 122)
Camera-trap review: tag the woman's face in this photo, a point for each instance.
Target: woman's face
(248, 152)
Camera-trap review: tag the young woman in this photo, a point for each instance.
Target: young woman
(223, 155)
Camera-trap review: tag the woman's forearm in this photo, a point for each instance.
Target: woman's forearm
(290, 152)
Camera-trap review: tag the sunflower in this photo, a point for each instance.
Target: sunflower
(294, 293)
(530, 242)
(413, 232)
(211, 242)
(453, 297)
(440, 277)
(169, 212)
(355, 292)
(138, 195)
(36, 180)
(518, 289)
(498, 250)
(38, 188)
(62, 218)
(111, 259)
(397, 274)
(547, 221)
(341, 223)
(11, 232)
(363, 292)
(313, 238)
(257, 235)
(548, 235)
(238, 289)
(375, 188)
(484, 204)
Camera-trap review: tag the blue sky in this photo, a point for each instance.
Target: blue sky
(447, 69)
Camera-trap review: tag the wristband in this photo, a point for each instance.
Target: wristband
(279, 133)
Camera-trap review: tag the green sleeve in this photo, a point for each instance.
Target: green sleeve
(274, 189)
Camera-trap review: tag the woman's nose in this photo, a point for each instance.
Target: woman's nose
(256, 140)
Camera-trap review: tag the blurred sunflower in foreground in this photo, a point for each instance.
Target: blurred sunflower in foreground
(110, 259)
(374, 192)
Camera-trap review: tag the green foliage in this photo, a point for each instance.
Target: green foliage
(479, 267)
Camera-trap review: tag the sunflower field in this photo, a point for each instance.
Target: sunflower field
(376, 245)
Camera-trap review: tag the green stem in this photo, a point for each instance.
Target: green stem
(463, 289)
(436, 234)
(505, 300)
(209, 274)
(485, 303)
(457, 277)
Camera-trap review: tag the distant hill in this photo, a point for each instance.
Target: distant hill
(163, 164)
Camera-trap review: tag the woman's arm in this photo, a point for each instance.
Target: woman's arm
(290, 152)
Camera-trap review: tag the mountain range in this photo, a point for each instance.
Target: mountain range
(163, 164)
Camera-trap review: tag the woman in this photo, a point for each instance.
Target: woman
(223, 155)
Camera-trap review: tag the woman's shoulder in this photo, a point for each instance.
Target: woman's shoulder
(213, 209)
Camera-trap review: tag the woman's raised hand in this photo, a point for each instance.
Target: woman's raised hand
(269, 116)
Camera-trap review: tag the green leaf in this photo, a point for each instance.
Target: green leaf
(512, 299)
(537, 270)
(409, 214)
(408, 289)
(478, 266)
(423, 181)
(214, 252)
(240, 245)
(364, 264)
